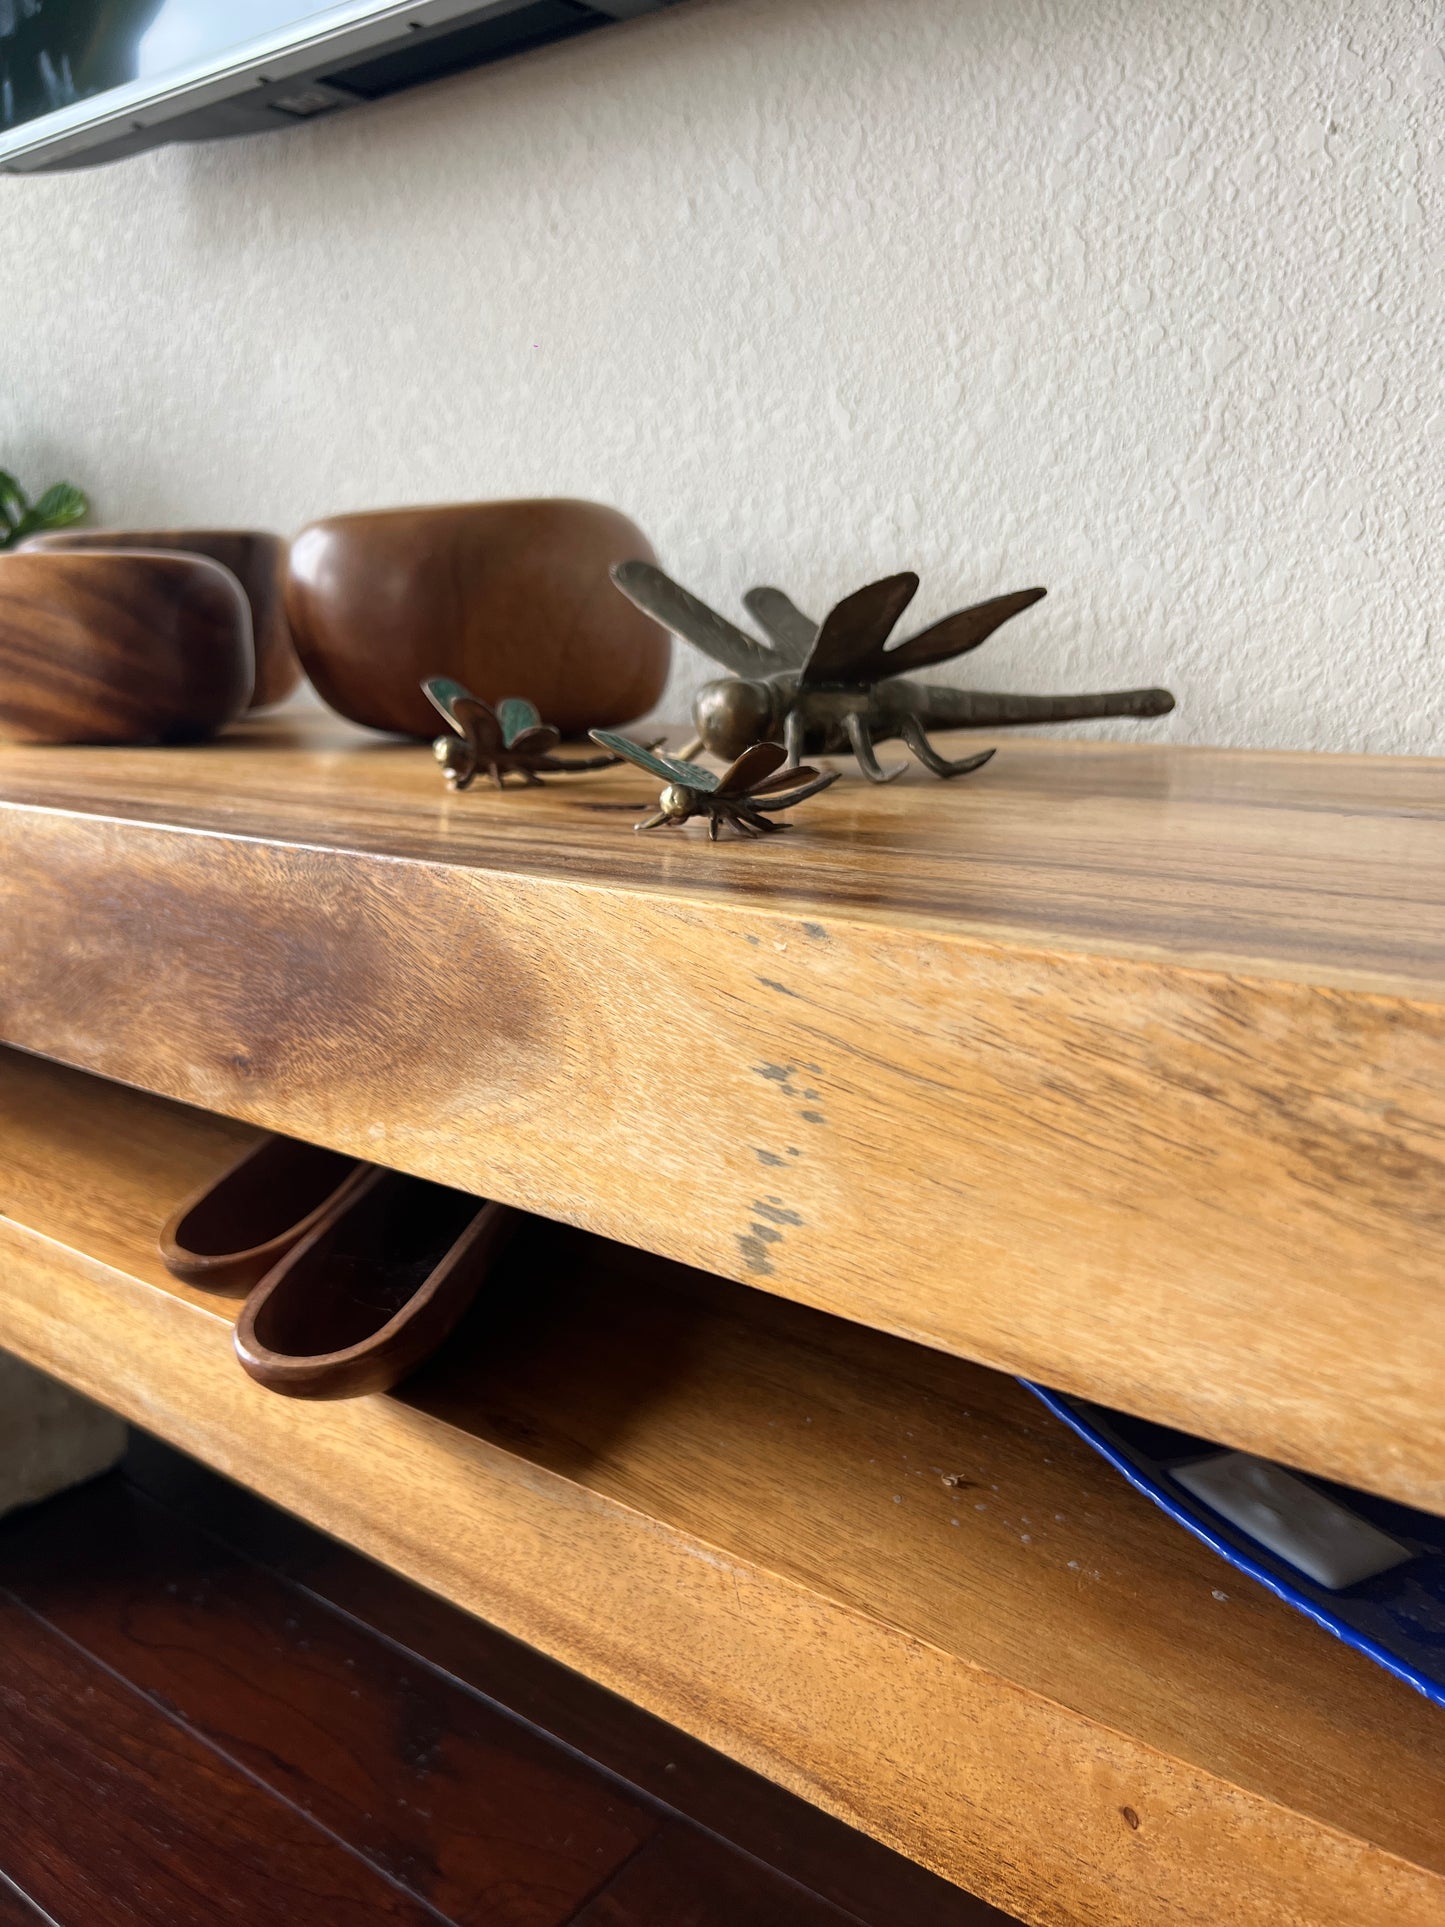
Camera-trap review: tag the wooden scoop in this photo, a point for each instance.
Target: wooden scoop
(371, 1290)
(228, 1235)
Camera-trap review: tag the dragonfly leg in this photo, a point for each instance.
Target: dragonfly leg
(793, 736)
(760, 825)
(652, 822)
(755, 824)
(687, 754)
(714, 822)
(912, 734)
(861, 743)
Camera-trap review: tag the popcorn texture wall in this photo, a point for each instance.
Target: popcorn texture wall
(1142, 301)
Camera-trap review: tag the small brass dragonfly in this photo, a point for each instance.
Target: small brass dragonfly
(833, 686)
(731, 798)
(512, 738)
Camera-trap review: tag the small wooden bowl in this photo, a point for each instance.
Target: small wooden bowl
(228, 1235)
(256, 559)
(510, 598)
(105, 647)
(372, 1290)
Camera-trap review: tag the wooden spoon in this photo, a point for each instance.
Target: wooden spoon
(228, 1235)
(372, 1290)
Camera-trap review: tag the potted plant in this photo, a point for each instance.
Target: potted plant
(57, 508)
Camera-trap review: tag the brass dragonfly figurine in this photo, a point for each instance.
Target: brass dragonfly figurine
(735, 797)
(512, 738)
(834, 686)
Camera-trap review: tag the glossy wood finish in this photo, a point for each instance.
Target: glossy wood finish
(255, 558)
(461, 1806)
(685, 1880)
(228, 1235)
(742, 1513)
(509, 598)
(805, 1844)
(126, 1780)
(1142, 1048)
(120, 648)
(371, 1290)
(435, 1778)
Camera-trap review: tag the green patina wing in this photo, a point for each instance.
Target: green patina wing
(443, 694)
(468, 715)
(515, 714)
(692, 774)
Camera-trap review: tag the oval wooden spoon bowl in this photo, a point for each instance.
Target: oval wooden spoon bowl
(227, 1235)
(372, 1290)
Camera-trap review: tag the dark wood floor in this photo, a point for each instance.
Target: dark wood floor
(211, 1714)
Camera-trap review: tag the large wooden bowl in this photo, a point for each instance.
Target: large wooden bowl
(111, 647)
(258, 562)
(510, 598)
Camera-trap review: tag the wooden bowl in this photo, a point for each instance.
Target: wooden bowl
(510, 598)
(258, 562)
(105, 647)
(372, 1291)
(229, 1234)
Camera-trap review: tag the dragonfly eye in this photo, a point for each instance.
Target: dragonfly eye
(677, 801)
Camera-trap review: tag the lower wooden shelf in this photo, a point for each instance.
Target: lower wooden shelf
(880, 1575)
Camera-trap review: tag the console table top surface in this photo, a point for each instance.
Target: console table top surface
(1325, 869)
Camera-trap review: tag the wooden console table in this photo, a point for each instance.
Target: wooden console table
(1119, 1067)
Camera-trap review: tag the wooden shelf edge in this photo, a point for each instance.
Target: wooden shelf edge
(1162, 1189)
(990, 1785)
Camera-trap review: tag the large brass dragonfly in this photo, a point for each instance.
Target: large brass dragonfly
(834, 686)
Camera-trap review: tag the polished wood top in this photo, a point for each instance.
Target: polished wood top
(1323, 869)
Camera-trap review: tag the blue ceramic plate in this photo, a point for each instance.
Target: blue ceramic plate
(1396, 1618)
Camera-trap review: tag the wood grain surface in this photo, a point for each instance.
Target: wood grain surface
(686, 1880)
(758, 1817)
(1122, 1068)
(453, 1800)
(509, 598)
(105, 647)
(258, 562)
(742, 1514)
(93, 1837)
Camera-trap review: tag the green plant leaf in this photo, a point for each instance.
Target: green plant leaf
(13, 502)
(60, 505)
(57, 508)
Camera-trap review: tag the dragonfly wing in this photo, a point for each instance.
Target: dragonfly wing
(443, 694)
(754, 766)
(692, 774)
(515, 714)
(783, 779)
(686, 615)
(850, 642)
(791, 633)
(958, 633)
(540, 740)
(473, 720)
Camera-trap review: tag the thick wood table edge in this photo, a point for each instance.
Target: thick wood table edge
(1118, 1067)
(881, 1728)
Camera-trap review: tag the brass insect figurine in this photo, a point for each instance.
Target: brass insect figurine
(732, 798)
(832, 687)
(512, 738)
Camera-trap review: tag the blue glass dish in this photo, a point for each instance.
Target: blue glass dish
(1396, 1618)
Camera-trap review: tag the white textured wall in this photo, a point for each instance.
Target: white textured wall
(1144, 299)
